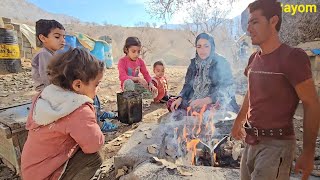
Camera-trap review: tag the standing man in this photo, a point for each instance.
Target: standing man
(278, 77)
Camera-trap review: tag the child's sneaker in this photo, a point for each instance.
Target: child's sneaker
(108, 127)
(108, 115)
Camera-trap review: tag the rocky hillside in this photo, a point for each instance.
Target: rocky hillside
(24, 11)
(170, 45)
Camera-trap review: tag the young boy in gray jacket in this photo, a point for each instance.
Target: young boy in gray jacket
(50, 34)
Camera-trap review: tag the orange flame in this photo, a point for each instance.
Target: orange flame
(196, 131)
(188, 110)
(203, 109)
(176, 131)
(214, 158)
(192, 147)
(185, 134)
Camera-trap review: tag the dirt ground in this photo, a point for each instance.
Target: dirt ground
(18, 88)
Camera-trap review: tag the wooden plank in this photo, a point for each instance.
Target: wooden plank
(18, 131)
(16, 27)
(9, 121)
(6, 20)
(28, 56)
(317, 78)
(9, 165)
(22, 137)
(28, 50)
(27, 45)
(18, 141)
(315, 75)
(7, 151)
(15, 117)
(11, 148)
(5, 131)
(317, 63)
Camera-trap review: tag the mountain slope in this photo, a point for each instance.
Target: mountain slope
(24, 11)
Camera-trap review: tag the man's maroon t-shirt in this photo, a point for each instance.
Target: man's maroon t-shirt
(271, 86)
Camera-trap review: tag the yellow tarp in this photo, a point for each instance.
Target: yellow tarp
(85, 41)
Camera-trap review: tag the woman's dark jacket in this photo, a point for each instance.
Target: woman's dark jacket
(222, 89)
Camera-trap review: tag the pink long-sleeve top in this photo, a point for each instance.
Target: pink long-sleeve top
(129, 69)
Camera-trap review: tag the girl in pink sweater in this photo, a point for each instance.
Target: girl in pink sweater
(64, 137)
(130, 67)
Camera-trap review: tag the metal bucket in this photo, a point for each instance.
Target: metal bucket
(129, 107)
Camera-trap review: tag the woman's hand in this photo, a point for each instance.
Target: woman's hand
(199, 103)
(175, 104)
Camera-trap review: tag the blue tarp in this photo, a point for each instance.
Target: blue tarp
(102, 50)
(316, 51)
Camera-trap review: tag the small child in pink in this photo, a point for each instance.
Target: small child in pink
(160, 82)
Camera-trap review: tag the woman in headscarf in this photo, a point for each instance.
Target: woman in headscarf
(208, 81)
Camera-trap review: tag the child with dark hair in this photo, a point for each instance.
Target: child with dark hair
(64, 137)
(130, 67)
(160, 82)
(50, 34)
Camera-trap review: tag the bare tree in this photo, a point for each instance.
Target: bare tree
(202, 18)
(142, 24)
(154, 25)
(94, 23)
(105, 23)
(148, 41)
(164, 9)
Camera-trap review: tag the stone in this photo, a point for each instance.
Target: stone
(236, 150)
(127, 135)
(165, 163)
(135, 155)
(148, 135)
(145, 129)
(183, 172)
(316, 173)
(120, 173)
(151, 171)
(317, 153)
(297, 117)
(153, 149)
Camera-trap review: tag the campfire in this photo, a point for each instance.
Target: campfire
(198, 142)
(195, 146)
